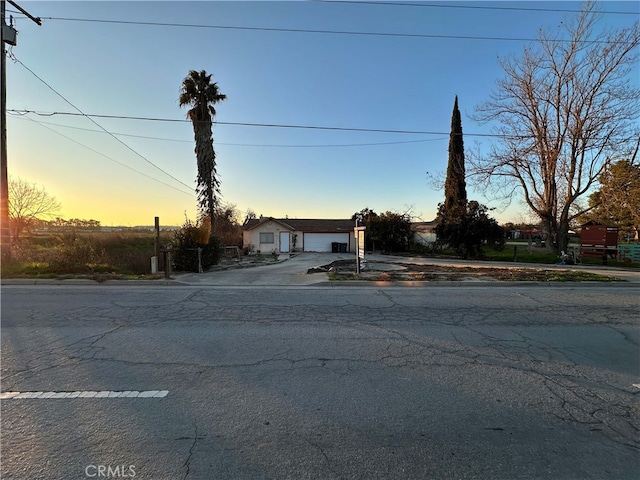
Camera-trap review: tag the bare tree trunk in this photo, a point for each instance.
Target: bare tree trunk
(563, 237)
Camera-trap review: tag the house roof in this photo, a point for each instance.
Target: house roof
(256, 222)
(317, 225)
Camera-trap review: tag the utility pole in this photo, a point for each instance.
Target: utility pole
(8, 35)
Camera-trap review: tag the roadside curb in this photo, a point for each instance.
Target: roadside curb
(483, 284)
(324, 284)
(81, 281)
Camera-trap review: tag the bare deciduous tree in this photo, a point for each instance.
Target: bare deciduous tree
(28, 203)
(564, 110)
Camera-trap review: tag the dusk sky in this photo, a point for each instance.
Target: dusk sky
(271, 75)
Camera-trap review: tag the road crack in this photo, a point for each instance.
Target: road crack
(323, 453)
(187, 462)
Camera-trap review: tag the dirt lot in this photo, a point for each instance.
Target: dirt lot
(380, 271)
(244, 261)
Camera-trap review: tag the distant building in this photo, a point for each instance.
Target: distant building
(424, 232)
(285, 235)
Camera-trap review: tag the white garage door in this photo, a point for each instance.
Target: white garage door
(321, 242)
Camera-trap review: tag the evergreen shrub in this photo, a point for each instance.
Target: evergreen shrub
(185, 245)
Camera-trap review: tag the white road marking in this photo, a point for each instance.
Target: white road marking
(637, 385)
(86, 394)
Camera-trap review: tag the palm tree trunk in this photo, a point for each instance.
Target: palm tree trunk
(207, 182)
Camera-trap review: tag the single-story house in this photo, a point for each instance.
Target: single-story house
(285, 235)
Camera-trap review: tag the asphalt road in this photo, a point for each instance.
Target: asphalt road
(321, 382)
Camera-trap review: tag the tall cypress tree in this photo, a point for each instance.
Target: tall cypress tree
(455, 187)
(461, 225)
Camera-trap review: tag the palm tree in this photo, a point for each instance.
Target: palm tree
(201, 94)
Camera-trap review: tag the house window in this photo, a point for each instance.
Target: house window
(266, 237)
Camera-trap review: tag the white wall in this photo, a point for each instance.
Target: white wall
(251, 238)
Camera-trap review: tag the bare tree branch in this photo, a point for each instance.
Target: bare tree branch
(565, 111)
(28, 203)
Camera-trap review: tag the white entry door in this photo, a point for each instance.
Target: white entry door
(284, 242)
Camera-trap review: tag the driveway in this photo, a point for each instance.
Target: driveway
(291, 271)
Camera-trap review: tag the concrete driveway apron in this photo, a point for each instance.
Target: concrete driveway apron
(291, 271)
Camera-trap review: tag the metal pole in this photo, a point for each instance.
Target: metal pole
(355, 232)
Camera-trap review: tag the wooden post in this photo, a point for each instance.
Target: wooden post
(5, 232)
(167, 264)
(7, 35)
(156, 240)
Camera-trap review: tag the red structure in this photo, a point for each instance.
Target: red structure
(599, 241)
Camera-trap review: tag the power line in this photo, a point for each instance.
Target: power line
(42, 124)
(474, 7)
(267, 125)
(220, 202)
(100, 126)
(20, 115)
(324, 32)
(261, 145)
(109, 158)
(279, 125)
(450, 6)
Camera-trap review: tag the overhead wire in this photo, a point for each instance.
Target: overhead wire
(313, 31)
(279, 125)
(261, 145)
(449, 5)
(269, 125)
(108, 157)
(18, 115)
(97, 124)
(474, 7)
(42, 124)
(220, 202)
